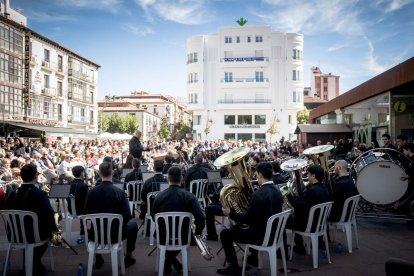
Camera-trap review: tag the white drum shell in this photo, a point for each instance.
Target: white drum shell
(379, 182)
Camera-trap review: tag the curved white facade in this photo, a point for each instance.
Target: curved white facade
(243, 78)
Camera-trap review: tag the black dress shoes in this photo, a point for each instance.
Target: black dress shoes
(253, 260)
(230, 270)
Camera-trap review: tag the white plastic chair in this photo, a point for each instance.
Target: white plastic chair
(172, 224)
(69, 217)
(14, 222)
(348, 220)
(134, 189)
(102, 243)
(273, 240)
(148, 217)
(198, 187)
(323, 210)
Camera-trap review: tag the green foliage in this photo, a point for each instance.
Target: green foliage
(241, 21)
(181, 129)
(131, 124)
(302, 117)
(164, 131)
(116, 123)
(273, 128)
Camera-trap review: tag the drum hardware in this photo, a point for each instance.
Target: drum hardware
(319, 156)
(236, 195)
(377, 176)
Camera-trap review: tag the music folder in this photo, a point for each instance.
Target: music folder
(59, 191)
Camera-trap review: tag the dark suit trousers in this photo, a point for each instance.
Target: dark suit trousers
(229, 236)
(132, 233)
(212, 211)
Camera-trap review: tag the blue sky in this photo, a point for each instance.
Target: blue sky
(140, 44)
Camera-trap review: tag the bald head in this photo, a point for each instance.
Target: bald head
(137, 133)
(341, 167)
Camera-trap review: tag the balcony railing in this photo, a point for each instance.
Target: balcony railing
(245, 101)
(79, 75)
(244, 59)
(250, 80)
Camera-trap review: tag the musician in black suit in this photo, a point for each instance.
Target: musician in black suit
(30, 198)
(167, 163)
(176, 199)
(152, 185)
(197, 171)
(343, 187)
(314, 194)
(79, 189)
(135, 174)
(106, 198)
(264, 203)
(277, 177)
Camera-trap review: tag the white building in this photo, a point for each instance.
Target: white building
(242, 79)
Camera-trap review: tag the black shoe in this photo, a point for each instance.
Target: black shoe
(212, 238)
(230, 270)
(299, 249)
(177, 265)
(99, 261)
(253, 260)
(129, 260)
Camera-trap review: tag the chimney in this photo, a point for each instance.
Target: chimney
(6, 9)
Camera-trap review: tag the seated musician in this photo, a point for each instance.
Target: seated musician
(79, 189)
(30, 198)
(277, 177)
(176, 199)
(343, 187)
(135, 174)
(315, 193)
(264, 203)
(167, 163)
(195, 172)
(152, 185)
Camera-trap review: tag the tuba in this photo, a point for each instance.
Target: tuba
(295, 184)
(319, 156)
(236, 195)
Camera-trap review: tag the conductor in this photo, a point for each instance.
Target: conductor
(135, 148)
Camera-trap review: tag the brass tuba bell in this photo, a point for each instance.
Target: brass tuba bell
(319, 156)
(236, 195)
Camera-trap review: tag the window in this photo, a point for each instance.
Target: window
(227, 39)
(289, 119)
(297, 54)
(195, 58)
(260, 136)
(260, 119)
(59, 112)
(244, 119)
(229, 136)
(325, 80)
(60, 88)
(259, 38)
(229, 119)
(91, 117)
(325, 89)
(46, 109)
(46, 79)
(60, 63)
(259, 77)
(244, 136)
(197, 120)
(296, 95)
(195, 77)
(192, 57)
(91, 97)
(249, 39)
(238, 39)
(46, 55)
(228, 76)
(297, 75)
(325, 97)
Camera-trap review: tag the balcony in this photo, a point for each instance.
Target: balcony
(80, 98)
(80, 120)
(245, 101)
(244, 62)
(78, 75)
(51, 92)
(46, 65)
(244, 82)
(60, 71)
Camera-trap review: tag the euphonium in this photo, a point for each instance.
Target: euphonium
(319, 156)
(237, 195)
(57, 233)
(202, 246)
(294, 167)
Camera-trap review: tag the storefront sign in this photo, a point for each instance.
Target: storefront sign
(245, 126)
(26, 83)
(42, 122)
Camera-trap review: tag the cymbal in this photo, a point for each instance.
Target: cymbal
(318, 149)
(293, 165)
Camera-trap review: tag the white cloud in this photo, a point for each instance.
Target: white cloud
(372, 61)
(189, 12)
(46, 17)
(397, 4)
(137, 30)
(108, 5)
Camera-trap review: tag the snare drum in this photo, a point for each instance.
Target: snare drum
(378, 179)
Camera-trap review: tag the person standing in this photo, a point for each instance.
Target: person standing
(135, 148)
(29, 197)
(265, 202)
(106, 198)
(176, 199)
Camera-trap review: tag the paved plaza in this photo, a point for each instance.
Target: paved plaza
(378, 241)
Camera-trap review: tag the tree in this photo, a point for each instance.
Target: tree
(273, 128)
(105, 122)
(303, 116)
(164, 132)
(131, 124)
(181, 130)
(116, 123)
(207, 130)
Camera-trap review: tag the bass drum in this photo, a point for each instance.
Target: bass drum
(378, 178)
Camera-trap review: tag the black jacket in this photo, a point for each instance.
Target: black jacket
(265, 202)
(176, 199)
(106, 198)
(195, 172)
(343, 188)
(79, 190)
(166, 168)
(132, 176)
(135, 147)
(151, 185)
(30, 198)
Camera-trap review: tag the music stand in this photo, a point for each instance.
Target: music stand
(61, 192)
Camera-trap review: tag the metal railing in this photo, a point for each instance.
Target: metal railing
(243, 80)
(245, 101)
(244, 59)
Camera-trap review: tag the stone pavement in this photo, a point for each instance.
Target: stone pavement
(378, 241)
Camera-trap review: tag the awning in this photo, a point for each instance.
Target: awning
(321, 128)
(35, 131)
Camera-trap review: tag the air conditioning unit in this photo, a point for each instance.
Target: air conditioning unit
(69, 95)
(46, 90)
(46, 64)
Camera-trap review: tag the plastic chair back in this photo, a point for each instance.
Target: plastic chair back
(134, 189)
(16, 222)
(350, 206)
(173, 229)
(321, 211)
(274, 229)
